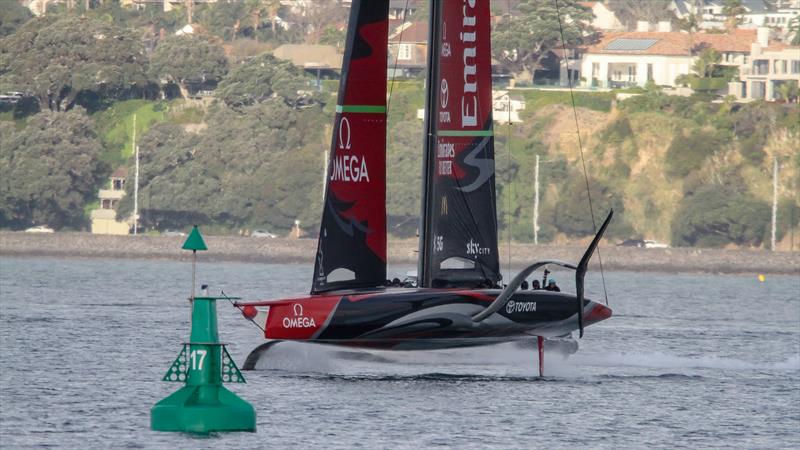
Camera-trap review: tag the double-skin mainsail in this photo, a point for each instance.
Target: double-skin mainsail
(352, 241)
(458, 232)
(458, 241)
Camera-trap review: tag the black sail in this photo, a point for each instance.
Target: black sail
(352, 242)
(458, 242)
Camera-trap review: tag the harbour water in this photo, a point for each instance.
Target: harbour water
(687, 361)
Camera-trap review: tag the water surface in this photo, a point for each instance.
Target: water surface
(687, 361)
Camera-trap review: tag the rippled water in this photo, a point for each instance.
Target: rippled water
(687, 361)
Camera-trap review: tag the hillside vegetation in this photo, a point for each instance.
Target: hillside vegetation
(251, 154)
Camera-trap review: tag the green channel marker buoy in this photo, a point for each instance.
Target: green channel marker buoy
(203, 404)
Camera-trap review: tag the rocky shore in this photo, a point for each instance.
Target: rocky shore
(264, 250)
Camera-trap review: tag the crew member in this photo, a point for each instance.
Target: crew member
(535, 285)
(552, 286)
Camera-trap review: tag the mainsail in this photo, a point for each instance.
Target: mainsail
(458, 244)
(352, 241)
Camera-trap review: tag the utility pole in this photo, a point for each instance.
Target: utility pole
(536, 203)
(774, 199)
(135, 182)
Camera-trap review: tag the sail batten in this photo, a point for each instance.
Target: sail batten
(458, 242)
(351, 251)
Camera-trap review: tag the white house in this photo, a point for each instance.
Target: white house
(757, 13)
(634, 58)
(770, 65)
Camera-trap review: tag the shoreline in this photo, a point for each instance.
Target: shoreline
(280, 250)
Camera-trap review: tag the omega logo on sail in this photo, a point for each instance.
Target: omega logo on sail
(299, 320)
(469, 118)
(349, 168)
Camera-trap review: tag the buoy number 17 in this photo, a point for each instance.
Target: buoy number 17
(197, 357)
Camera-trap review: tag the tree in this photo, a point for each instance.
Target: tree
(794, 30)
(262, 77)
(706, 63)
(714, 216)
(256, 166)
(522, 41)
(691, 25)
(733, 10)
(51, 168)
(60, 60)
(631, 11)
(12, 16)
(188, 59)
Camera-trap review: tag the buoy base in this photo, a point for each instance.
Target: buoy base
(203, 409)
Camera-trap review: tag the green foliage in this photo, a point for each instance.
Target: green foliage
(630, 11)
(257, 166)
(12, 16)
(715, 216)
(687, 153)
(706, 62)
(62, 59)
(115, 127)
(537, 99)
(188, 59)
(50, 169)
(572, 215)
(262, 78)
(521, 42)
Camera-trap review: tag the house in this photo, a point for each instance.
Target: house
(770, 65)
(324, 61)
(506, 106)
(756, 13)
(634, 58)
(408, 49)
(104, 219)
(604, 18)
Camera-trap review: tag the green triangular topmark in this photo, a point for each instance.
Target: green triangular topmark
(194, 241)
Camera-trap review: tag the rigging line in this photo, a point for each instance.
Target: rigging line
(580, 145)
(396, 58)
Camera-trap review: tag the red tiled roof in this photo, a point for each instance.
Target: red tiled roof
(415, 32)
(120, 173)
(676, 43)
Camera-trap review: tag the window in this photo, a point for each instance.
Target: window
(404, 52)
(649, 72)
(760, 67)
(117, 184)
(796, 66)
(596, 70)
(631, 73)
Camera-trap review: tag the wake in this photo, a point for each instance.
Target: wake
(505, 360)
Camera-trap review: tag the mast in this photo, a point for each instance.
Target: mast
(774, 201)
(135, 182)
(536, 203)
(428, 157)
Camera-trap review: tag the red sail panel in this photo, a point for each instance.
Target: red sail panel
(352, 242)
(460, 224)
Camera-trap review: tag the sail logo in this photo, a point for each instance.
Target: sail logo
(444, 99)
(299, 320)
(344, 124)
(474, 248)
(349, 168)
(512, 307)
(469, 117)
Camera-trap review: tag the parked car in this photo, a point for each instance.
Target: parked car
(263, 234)
(172, 233)
(642, 243)
(39, 229)
(654, 244)
(631, 243)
